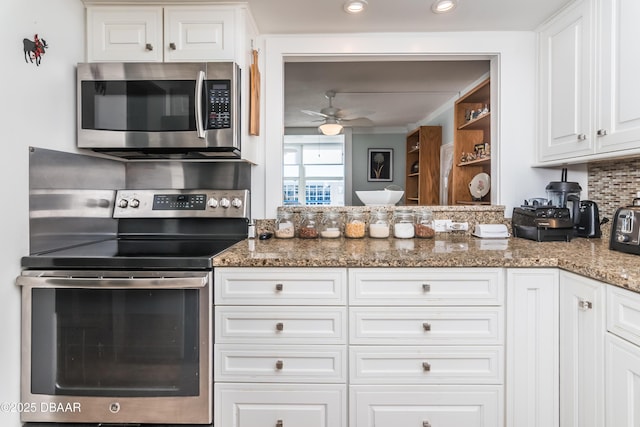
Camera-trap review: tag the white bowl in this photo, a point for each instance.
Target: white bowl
(379, 197)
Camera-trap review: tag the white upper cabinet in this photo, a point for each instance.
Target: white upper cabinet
(588, 78)
(619, 110)
(169, 34)
(565, 85)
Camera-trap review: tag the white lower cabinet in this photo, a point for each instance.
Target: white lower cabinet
(425, 406)
(532, 377)
(622, 358)
(279, 405)
(582, 331)
(280, 356)
(426, 347)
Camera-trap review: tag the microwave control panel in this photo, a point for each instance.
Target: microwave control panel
(219, 104)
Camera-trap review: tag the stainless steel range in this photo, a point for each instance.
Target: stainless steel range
(119, 330)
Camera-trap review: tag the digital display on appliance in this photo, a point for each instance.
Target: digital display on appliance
(179, 202)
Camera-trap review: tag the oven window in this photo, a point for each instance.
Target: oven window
(106, 342)
(139, 106)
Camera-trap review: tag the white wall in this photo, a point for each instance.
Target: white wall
(513, 74)
(38, 109)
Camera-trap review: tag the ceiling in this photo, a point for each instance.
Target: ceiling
(387, 93)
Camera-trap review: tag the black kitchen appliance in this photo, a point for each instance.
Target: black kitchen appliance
(542, 223)
(625, 231)
(121, 328)
(589, 220)
(564, 194)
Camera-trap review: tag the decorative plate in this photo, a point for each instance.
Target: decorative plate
(480, 185)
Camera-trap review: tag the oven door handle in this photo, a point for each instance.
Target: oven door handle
(114, 283)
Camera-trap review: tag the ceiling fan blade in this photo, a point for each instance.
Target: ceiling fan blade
(314, 113)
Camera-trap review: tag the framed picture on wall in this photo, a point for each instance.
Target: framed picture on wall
(380, 166)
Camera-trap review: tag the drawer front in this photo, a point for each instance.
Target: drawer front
(426, 406)
(426, 365)
(444, 326)
(285, 405)
(278, 286)
(426, 286)
(280, 325)
(283, 363)
(623, 313)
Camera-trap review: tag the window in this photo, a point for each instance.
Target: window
(314, 163)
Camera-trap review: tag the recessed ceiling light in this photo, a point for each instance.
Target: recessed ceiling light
(443, 6)
(355, 6)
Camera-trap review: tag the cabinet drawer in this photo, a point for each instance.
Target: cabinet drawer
(282, 363)
(426, 286)
(278, 286)
(286, 405)
(280, 325)
(450, 325)
(426, 365)
(426, 406)
(623, 313)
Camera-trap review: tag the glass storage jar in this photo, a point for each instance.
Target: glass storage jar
(403, 224)
(309, 226)
(424, 227)
(379, 225)
(284, 225)
(331, 226)
(355, 226)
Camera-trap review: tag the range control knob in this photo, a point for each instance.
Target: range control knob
(622, 238)
(134, 203)
(122, 203)
(236, 203)
(224, 203)
(212, 202)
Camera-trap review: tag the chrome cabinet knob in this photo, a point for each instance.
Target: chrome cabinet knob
(426, 366)
(148, 47)
(279, 365)
(582, 137)
(602, 132)
(426, 326)
(279, 287)
(172, 46)
(279, 326)
(585, 305)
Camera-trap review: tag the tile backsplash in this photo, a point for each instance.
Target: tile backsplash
(613, 183)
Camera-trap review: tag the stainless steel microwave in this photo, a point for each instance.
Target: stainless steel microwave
(159, 110)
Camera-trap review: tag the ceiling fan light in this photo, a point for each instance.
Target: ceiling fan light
(355, 6)
(330, 128)
(444, 6)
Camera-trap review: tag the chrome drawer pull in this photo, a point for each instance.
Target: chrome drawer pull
(426, 326)
(585, 305)
(426, 287)
(426, 424)
(279, 287)
(279, 423)
(148, 47)
(279, 364)
(279, 326)
(172, 46)
(426, 366)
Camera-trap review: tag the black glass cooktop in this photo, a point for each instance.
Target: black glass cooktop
(131, 253)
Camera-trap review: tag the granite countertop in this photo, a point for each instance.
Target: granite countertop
(588, 257)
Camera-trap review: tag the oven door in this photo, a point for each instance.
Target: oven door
(117, 347)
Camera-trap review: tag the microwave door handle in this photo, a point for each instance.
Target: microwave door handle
(198, 102)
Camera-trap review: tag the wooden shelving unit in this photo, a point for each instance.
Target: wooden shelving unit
(471, 132)
(422, 184)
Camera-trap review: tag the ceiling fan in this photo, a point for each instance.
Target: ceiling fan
(333, 117)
